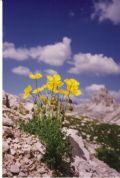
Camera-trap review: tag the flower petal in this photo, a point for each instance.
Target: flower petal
(35, 76)
(28, 89)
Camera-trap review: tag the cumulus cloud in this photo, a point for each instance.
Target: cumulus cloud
(9, 51)
(21, 70)
(115, 94)
(50, 71)
(94, 87)
(96, 64)
(107, 10)
(53, 54)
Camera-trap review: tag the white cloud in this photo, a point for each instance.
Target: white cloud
(107, 10)
(94, 87)
(50, 71)
(115, 94)
(53, 54)
(21, 70)
(9, 51)
(96, 64)
(56, 54)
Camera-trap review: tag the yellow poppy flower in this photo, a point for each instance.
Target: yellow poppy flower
(27, 91)
(76, 92)
(73, 86)
(54, 82)
(64, 92)
(35, 76)
(40, 89)
(71, 81)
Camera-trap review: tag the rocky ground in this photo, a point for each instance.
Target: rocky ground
(22, 152)
(85, 163)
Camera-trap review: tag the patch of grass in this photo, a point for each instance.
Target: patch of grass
(57, 144)
(107, 135)
(110, 156)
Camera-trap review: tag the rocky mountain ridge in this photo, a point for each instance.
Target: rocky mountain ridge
(102, 107)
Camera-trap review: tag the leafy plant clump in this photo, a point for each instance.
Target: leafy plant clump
(57, 145)
(106, 135)
(110, 156)
(50, 102)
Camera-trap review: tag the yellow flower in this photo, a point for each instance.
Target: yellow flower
(71, 81)
(27, 91)
(72, 86)
(40, 89)
(76, 92)
(44, 99)
(54, 82)
(64, 92)
(35, 76)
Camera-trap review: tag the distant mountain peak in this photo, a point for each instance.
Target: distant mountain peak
(103, 96)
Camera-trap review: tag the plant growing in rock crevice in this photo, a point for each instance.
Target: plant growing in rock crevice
(50, 103)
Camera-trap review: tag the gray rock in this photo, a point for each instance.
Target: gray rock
(16, 140)
(85, 164)
(16, 146)
(77, 145)
(22, 174)
(12, 151)
(7, 132)
(39, 147)
(39, 157)
(42, 170)
(46, 175)
(32, 167)
(18, 164)
(9, 140)
(27, 148)
(4, 172)
(7, 122)
(14, 169)
(10, 100)
(6, 147)
(26, 160)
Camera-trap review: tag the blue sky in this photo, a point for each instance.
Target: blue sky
(75, 38)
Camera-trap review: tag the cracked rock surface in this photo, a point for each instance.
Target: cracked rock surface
(22, 153)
